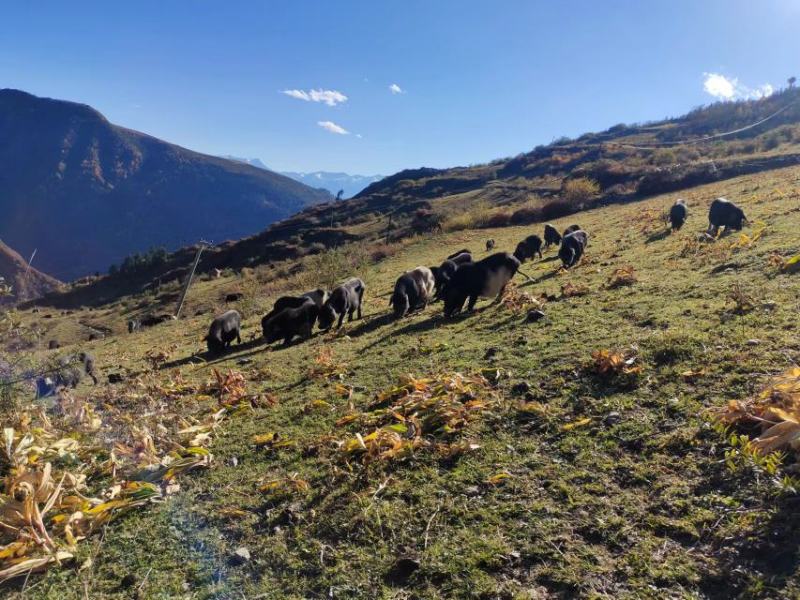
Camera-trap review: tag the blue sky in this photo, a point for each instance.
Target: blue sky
(478, 80)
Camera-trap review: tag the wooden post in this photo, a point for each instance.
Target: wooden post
(189, 280)
(28, 267)
(388, 228)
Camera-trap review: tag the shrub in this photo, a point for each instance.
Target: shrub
(465, 220)
(771, 141)
(333, 266)
(498, 219)
(579, 190)
(379, 252)
(472, 218)
(669, 348)
(316, 248)
(664, 156)
(425, 220)
(556, 209)
(527, 214)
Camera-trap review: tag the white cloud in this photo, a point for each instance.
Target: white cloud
(329, 97)
(299, 94)
(719, 86)
(764, 91)
(333, 127)
(729, 88)
(395, 89)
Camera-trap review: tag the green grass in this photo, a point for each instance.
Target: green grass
(635, 503)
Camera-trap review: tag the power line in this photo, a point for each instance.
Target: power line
(657, 145)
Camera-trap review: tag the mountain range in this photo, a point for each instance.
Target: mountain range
(622, 164)
(86, 193)
(351, 185)
(333, 182)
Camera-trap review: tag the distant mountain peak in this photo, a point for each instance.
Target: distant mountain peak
(253, 162)
(331, 181)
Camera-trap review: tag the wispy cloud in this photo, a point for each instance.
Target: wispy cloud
(333, 127)
(396, 89)
(329, 97)
(729, 88)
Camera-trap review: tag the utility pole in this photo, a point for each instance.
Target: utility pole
(28, 267)
(188, 281)
(30, 260)
(388, 228)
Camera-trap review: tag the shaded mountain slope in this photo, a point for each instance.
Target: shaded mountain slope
(26, 284)
(87, 193)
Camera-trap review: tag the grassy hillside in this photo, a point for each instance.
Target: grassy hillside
(551, 479)
(624, 163)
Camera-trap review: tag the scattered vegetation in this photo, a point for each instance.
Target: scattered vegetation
(776, 411)
(70, 472)
(622, 276)
(512, 464)
(579, 191)
(151, 259)
(430, 413)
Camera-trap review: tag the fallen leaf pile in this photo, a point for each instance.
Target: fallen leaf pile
(748, 241)
(326, 366)
(719, 249)
(610, 363)
(425, 413)
(650, 220)
(157, 357)
(623, 276)
(518, 301)
(785, 265)
(70, 469)
(229, 389)
(776, 409)
(569, 289)
(742, 301)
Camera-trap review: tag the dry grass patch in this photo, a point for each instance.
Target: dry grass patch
(776, 411)
(71, 469)
(622, 276)
(432, 413)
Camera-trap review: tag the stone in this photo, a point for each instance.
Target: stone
(535, 315)
(523, 387)
(402, 569)
(241, 555)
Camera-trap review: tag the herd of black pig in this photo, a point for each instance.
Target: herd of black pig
(457, 280)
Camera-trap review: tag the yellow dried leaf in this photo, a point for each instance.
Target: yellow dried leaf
(33, 565)
(576, 424)
(265, 439)
(499, 478)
